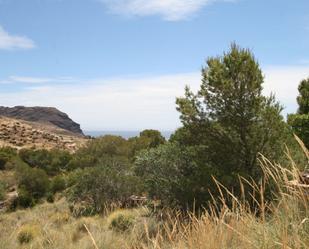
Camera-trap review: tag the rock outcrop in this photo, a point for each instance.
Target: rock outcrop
(45, 115)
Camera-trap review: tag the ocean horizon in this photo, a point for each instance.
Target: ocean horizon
(124, 134)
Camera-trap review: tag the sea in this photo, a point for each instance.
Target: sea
(124, 134)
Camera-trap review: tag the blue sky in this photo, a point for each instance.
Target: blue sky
(119, 64)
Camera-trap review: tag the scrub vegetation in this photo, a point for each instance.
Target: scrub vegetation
(235, 175)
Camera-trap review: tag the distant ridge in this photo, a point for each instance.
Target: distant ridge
(44, 115)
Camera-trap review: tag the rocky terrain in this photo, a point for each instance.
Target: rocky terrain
(24, 134)
(44, 115)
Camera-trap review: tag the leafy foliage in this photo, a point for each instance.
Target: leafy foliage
(102, 186)
(102, 148)
(34, 181)
(25, 199)
(147, 139)
(303, 98)
(170, 175)
(52, 162)
(58, 184)
(6, 154)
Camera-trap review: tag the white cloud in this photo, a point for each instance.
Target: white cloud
(12, 42)
(37, 80)
(171, 10)
(283, 81)
(135, 103)
(112, 104)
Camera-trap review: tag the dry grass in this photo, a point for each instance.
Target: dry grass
(283, 223)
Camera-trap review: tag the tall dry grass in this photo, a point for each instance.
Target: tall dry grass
(228, 222)
(232, 223)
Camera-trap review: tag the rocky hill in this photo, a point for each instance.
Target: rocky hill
(43, 115)
(24, 134)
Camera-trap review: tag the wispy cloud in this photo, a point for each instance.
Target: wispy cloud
(13, 42)
(37, 80)
(20, 79)
(170, 10)
(135, 103)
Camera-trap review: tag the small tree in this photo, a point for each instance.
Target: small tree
(229, 121)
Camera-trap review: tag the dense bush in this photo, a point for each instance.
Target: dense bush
(99, 149)
(6, 154)
(24, 199)
(147, 139)
(108, 183)
(57, 184)
(52, 162)
(3, 160)
(170, 175)
(34, 181)
(300, 126)
(50, 197)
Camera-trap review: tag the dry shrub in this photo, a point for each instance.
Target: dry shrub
(122, 220)
(27, 233)
(59, 219)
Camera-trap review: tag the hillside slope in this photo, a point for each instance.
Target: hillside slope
(24, 134)
(46, 115)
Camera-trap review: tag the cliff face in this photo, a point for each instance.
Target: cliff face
(47, 115)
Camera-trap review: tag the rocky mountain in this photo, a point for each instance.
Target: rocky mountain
(44, 115)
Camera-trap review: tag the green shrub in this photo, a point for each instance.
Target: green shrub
(121, 220)
(4, 158)
(51, 161)
(50, 197)
(58, 184)
(102, 186)
(100, 149)
(24, 199)
(6, 154)
(300, 126)
(147, 139)
(170, 175)
(2, 191)
(32, 180)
